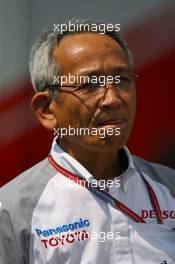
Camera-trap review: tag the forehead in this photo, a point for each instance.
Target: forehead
(86, 50)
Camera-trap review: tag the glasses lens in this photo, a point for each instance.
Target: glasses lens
(124, 82)
(92, 88)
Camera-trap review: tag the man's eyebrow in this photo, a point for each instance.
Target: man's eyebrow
(97, 71)
(89, 72)
(122, 69)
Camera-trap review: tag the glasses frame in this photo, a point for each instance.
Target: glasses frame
(80, 87)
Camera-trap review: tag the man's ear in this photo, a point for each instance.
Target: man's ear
(40, 103)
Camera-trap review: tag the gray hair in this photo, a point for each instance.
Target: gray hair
(42, 65)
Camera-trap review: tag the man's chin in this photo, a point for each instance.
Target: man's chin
(111, 141)
(96, 143)
(103, 142)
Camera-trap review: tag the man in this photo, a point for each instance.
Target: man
(58, 211)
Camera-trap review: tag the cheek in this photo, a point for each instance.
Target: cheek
(67, 111)
(73, 111)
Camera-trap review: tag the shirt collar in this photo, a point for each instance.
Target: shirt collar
(128, 173)
(67, 162)
(70, 164)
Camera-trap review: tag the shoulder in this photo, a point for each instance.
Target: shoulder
(27, 187)
(28, 182)
(157, 172)
(18, 197)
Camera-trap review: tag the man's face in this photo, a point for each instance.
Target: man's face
(94, 54)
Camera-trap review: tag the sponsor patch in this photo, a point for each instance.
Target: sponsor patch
(64, 234)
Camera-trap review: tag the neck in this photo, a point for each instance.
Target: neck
(103, 165)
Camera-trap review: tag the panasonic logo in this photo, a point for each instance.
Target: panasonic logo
(81, 223)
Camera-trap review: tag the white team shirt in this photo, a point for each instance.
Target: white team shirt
(49, 219)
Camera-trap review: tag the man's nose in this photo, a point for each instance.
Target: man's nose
(111, 98)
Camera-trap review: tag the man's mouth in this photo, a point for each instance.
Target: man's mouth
(111, 122)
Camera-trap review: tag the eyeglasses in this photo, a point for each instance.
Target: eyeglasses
(124, 82)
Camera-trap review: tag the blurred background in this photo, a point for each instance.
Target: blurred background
(149, 28)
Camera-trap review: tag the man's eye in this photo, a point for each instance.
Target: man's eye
(90, 87)
(125, 81)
